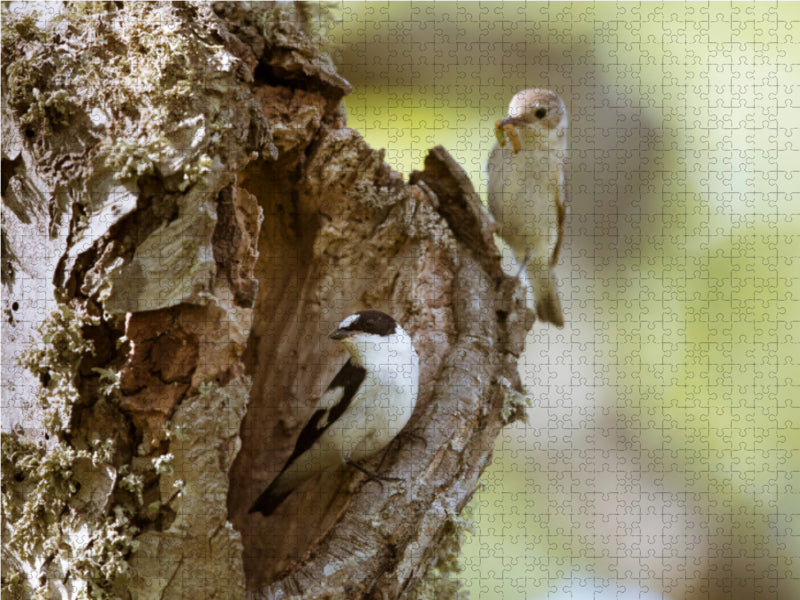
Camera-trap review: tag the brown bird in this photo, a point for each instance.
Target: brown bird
(528, 190)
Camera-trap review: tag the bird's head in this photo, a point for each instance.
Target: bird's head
(372, 335)
(538, 111)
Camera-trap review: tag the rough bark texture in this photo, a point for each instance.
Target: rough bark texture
(183, 180)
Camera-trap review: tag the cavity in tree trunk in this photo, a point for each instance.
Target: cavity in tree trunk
(186, 216)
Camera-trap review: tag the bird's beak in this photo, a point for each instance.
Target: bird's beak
(513, 121)
(340, 334)
(508, 126)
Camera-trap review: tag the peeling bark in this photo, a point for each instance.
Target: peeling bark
(213, 250)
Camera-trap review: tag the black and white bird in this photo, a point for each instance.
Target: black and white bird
(528, 190)
(365, 406)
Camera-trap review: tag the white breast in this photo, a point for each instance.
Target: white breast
(385, 401)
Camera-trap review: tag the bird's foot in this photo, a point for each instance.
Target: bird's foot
(371, 475)
(524, 265)
(415, 436)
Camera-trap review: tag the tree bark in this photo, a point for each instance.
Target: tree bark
(180, 185)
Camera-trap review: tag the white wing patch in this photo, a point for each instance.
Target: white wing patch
(330, 398)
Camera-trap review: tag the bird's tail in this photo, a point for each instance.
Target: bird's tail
(545, 291)
(270, 499)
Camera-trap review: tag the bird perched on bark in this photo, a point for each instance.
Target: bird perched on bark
(528, 190)
(365, 406)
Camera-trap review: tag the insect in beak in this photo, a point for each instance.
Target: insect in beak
(507, 127)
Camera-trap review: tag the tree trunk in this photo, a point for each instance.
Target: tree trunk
(186, 217)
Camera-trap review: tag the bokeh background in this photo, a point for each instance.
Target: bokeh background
(662, 456)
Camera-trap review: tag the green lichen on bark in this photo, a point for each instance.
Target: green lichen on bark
(441, 581)
(515, 404)
(51, 540)
(63, 531)
(146, 100)
(136, 115)
(48, 528)
(74, 518)
(290, 21)
(39, 105)
(55, 363)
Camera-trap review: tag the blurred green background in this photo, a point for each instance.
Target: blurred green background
(662, 457)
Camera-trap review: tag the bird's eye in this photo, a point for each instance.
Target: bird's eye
(540, 113)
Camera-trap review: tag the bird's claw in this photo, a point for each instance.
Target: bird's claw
(371, 475)
(416, 436)
(522, 267)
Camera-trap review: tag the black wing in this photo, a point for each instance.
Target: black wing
(268, 501)
(349, 378)
(348, 381)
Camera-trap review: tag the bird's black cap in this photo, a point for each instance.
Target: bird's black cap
(366, 321)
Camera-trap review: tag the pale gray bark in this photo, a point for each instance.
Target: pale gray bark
(201, 205)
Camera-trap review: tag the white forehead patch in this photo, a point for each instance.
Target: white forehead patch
(348, 321)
